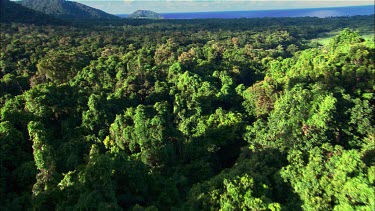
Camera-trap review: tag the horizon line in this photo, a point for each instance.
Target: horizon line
(302, 8)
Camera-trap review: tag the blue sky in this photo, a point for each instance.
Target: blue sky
(164, 6)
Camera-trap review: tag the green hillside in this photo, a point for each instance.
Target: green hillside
(145, 14)
(14, 12)
(66, 9)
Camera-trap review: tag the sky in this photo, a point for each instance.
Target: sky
(173, 6)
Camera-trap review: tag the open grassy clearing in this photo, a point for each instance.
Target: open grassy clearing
(325, 38)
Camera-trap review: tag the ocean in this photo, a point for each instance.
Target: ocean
(315, 12)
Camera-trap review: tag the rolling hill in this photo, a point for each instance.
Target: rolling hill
(14, 12)
(66, 9)
(145, 14)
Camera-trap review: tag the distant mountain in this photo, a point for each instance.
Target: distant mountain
(66, 9)
(14, 12)
(145, 14)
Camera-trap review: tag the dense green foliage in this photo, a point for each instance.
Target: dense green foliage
(13, 12)
(66, 9)
(243, 114)
(145, 14)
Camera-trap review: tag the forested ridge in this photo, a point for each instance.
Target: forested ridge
(14, 12)
(66, 9)
(55, 8)
(145, 14)
(241, 114)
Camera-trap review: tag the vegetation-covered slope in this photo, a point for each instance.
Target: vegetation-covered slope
(66, 9)
(145, 14)
(188, 115)
(13, 12)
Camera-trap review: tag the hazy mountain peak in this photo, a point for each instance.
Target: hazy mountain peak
(145, 14)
